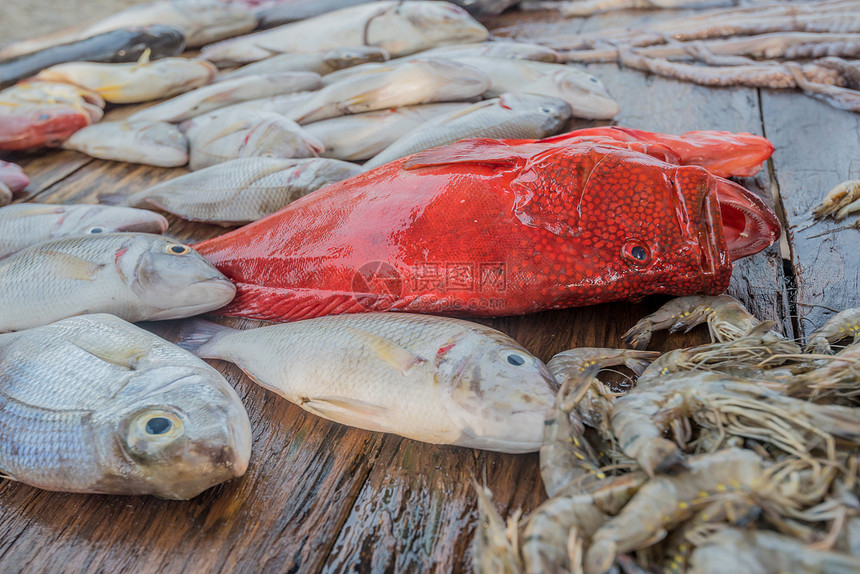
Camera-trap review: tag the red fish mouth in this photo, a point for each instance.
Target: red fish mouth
(749, 224)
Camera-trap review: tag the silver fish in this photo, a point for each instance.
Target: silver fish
(400, 28)
(282, 105)
(26, 224)
(248, 133)
(201, 22)
(516, 116)
(135, 276)
(586, 94)
(418, 82)
(95, 404)
(242, 190)
(506, 49)
(433, 379)
(321, 63)
(223, 94)
(362, 136)
(151, 143)
(141, 81)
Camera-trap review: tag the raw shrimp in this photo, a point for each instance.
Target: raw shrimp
(760, 551)
(735, 406)
(726, 317)
(570, 519)
(495, 546)
(665, 501)
(839, 375)
(841, 200)
(841, 326)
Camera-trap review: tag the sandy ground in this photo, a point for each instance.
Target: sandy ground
(27, 18)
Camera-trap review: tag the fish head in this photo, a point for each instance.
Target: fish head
(175, 431)
(13, 177)
(499, 392)
(348, 57)
(642, 226)
(172, 279)
(586, 94)
(549, 114)
(96, 219)
(409, 27)
(35, 126)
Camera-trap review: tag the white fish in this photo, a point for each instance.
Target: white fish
(242, 190)
(151, 143)
(26, 224)
(361, 136)
(201, 22)
(515, 116)
(223, 94)
(248, 133)
(135, 276)
(95, 404)
(399, 28)
(506, 49)
(586, 94)
(418, 82)
(321, 63)
(133, 83)
(433, 379)
(282, 105)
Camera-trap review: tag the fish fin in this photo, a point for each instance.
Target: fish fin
(348, 411)
(475, 151)
(144, 58)
(391, 353)
(195, 334)
(68, 266)
(112, 91)
(120, 354)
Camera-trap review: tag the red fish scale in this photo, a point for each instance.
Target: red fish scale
(549, 231)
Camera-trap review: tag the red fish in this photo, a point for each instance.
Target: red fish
(31, 126)
(502, 230)
(725, 154)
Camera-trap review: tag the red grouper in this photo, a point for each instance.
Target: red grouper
(485, 227)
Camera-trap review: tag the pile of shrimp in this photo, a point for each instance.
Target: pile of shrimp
(737, 456)
(811, 46)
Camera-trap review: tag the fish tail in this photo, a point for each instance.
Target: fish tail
(198, 336)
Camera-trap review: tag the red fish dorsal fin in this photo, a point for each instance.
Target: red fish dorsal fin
(484, 151)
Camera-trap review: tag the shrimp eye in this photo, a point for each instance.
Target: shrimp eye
(515, 358)
(177, 249)
(96, 230)
(158, 425)
(636, 253)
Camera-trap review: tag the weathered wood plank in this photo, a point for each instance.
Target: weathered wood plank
(816, 148)
(46, 168)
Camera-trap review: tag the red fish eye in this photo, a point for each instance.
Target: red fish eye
(636, 253)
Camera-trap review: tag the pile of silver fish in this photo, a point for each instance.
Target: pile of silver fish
(370, 81)
(739, 454)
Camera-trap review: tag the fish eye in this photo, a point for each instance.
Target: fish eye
(515, 358)
(545, 110)
(635, 252)
(176, 249)
(96, 229)
(152, 428)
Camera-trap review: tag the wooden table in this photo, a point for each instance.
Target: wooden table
(319, 496)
